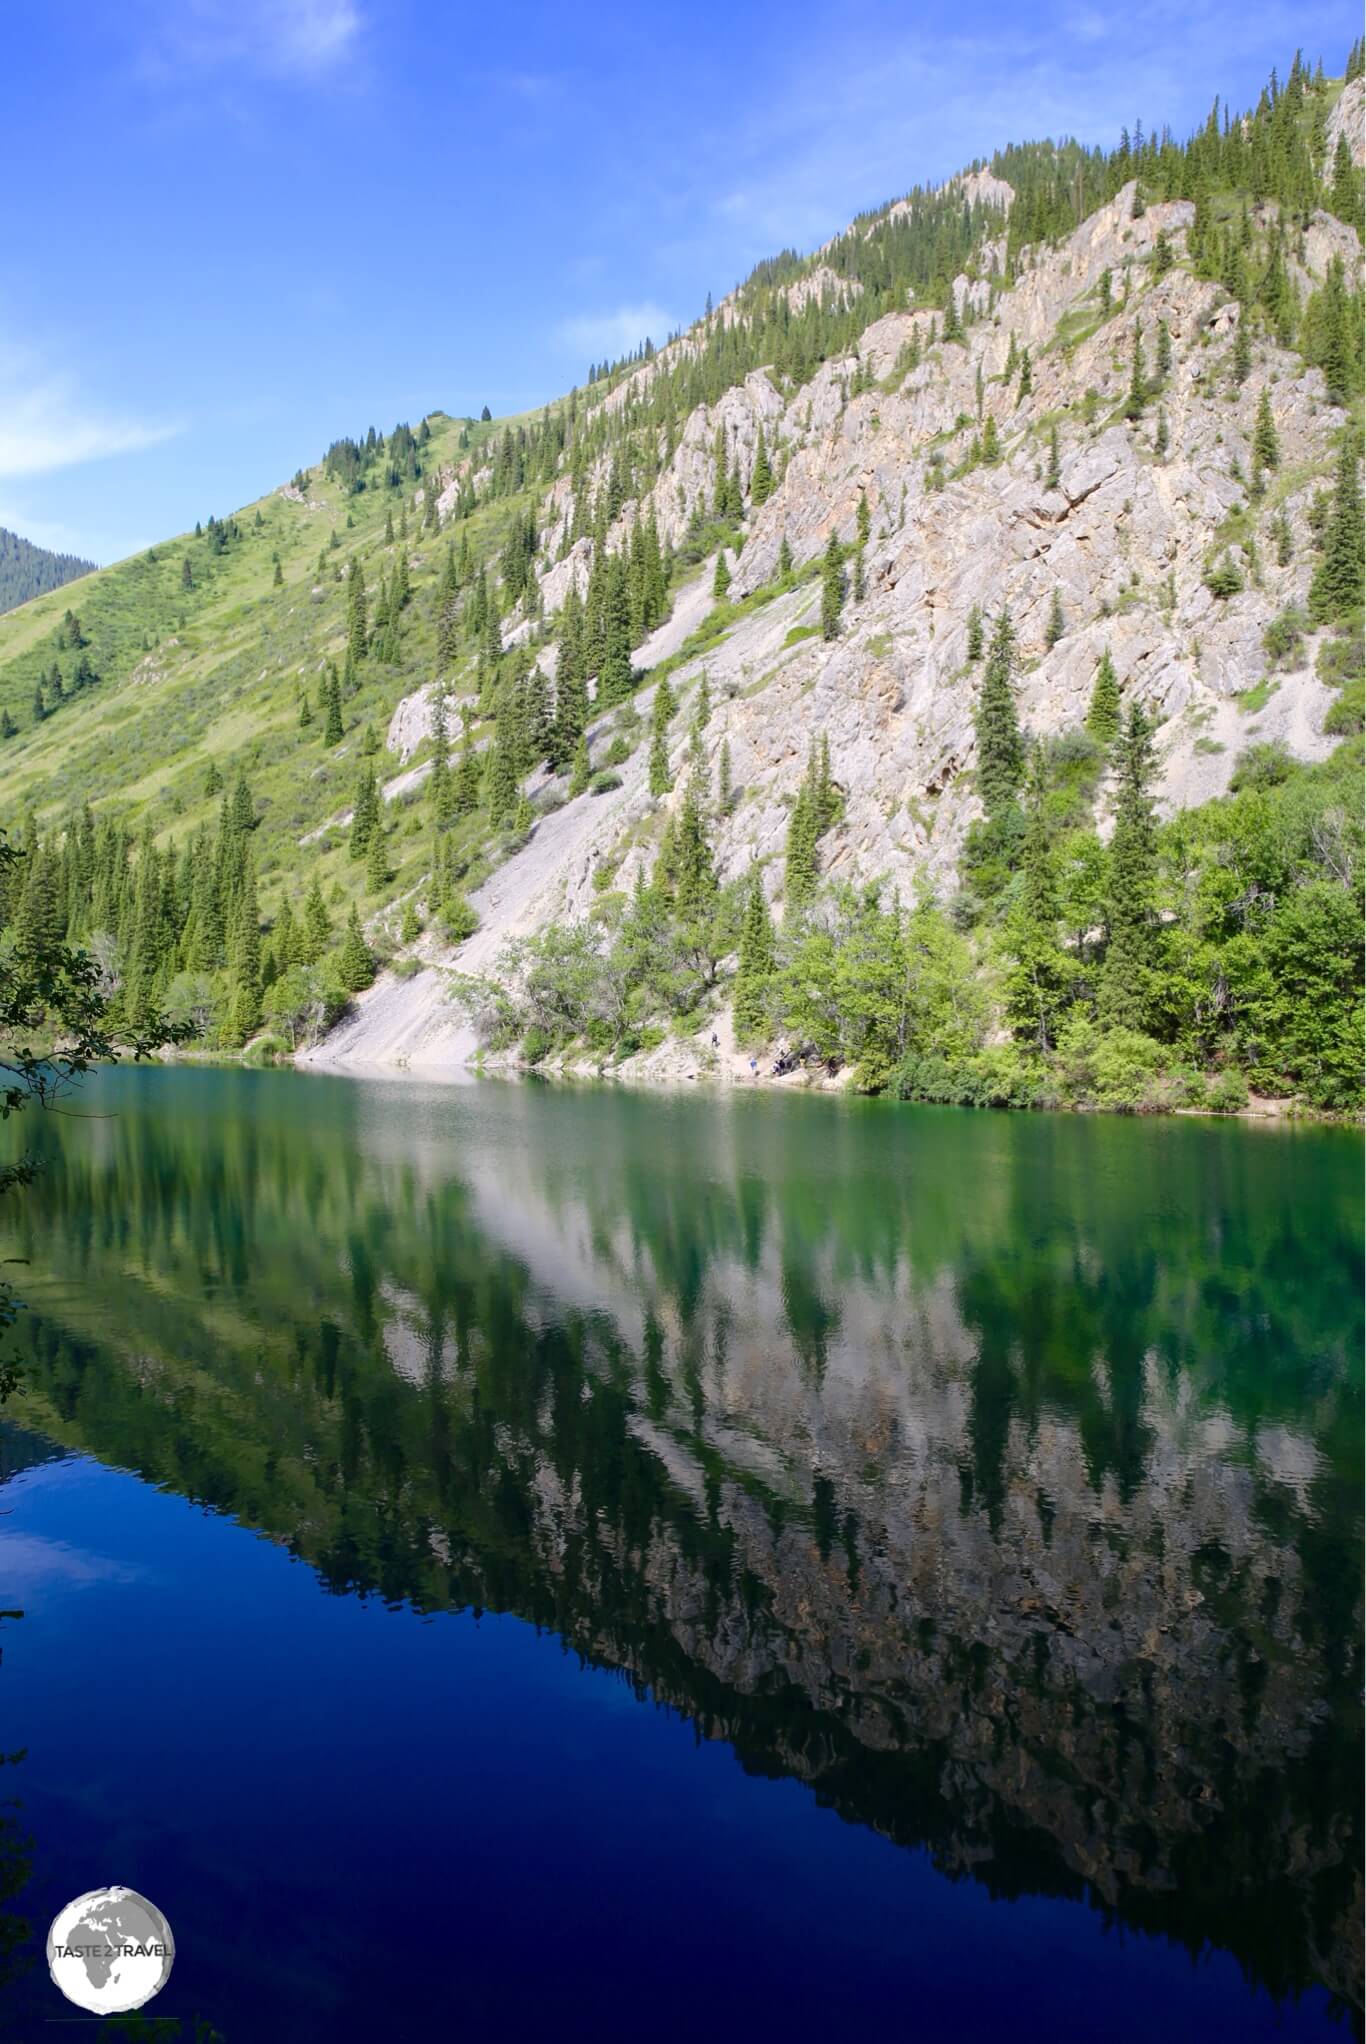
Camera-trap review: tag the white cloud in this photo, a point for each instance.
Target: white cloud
(275, 38)
(608, 335)
(46, 424)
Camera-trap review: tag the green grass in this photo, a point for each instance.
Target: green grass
(1251, 700)
(214, 674)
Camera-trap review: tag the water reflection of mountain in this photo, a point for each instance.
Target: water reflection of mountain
(998, 1478)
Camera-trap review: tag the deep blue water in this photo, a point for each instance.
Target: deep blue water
(382, 1769)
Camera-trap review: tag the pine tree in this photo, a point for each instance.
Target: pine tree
(1137, 396)
(694, 874)
(1285, 541)
(799, 871)
(278, 577)
(1000, 748)
(1164, 351)
(661, 780)
(442, 788)
(1266, 448)
(377, 869)
(754, 975)
(243, 812)
(356, 629)
(305, 712)
(355, 964)
(317, 925)
(504, 776)
(186, 574)
(1336, 590)
(1132, 867)
(785, 558)
(1242, 352)
(285, 938)
(1345, 194)
(832, 588)
(1162, 437)
(725, 793)
(364, 813)
(467, 774)
(761, 475)
(720, 581)
(614, 675)
(1102, 718)
(1054, 475)
(1037, 982)
(1057, 623)
(581, 769)
(975, 634)
(334, 731)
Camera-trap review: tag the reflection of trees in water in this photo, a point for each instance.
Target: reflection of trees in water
(995, 1477)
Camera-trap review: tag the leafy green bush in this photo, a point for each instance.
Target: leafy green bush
(1262, 766)
(1227, 1092)
(603, 783)
(537, 1044)
(1000, 1076)
(1125, 1065)
(1222, 579)
(458, 919)
(1347, 716)
(1342, 659)
(264, 1050)
(1283, 638)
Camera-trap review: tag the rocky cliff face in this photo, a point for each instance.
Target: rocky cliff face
(1120, 519)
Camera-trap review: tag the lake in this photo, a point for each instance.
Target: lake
(525, 1563)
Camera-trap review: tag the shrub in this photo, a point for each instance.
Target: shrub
(537, 1044)
(458, 919)
(1226, 1092)
(1342, 660)
(1347, 715)
(1283, 638)
(1262, 766)
(618, 752)
(603, 783)
(1222, 579)
(263, 1050)
(1001, 1076)
(1125, 1066)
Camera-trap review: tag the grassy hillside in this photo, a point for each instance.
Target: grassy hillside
(197, 684)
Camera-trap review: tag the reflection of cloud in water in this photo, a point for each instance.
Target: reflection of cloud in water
(28, 1562)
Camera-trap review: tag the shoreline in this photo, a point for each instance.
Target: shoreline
(710, 1077)
(1264, 1110)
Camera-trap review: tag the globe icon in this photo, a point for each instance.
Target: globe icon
(110, 1951)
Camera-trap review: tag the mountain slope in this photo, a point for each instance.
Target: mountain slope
(27, 570)
(1118, 445)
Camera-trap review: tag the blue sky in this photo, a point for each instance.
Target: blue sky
(236, 229)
